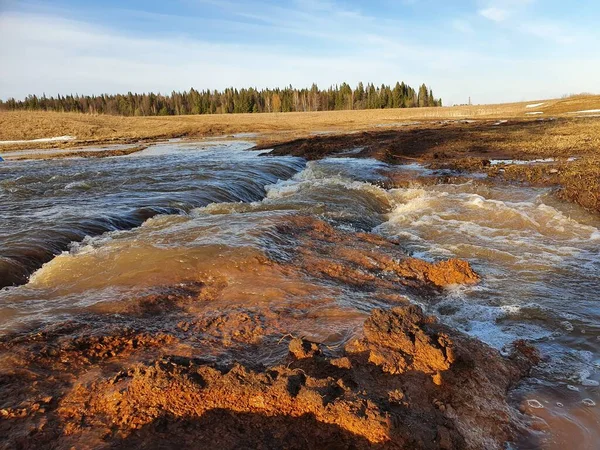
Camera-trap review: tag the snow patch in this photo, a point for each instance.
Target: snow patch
(534, 113)
(586, 111)
(534, 105)
(52, 139)
(519, 162)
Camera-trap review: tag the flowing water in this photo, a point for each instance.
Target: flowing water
(47, 205)
(86, 236)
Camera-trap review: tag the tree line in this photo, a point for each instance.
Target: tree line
(231, 100)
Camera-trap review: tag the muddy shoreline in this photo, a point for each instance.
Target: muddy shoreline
(80, 153)
(458, 145)
(145, 378)
(471, 146)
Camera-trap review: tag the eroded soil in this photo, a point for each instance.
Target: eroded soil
(174, 369)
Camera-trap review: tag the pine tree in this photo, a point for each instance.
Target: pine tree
(423, 97)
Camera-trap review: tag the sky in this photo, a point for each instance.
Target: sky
(491, 51)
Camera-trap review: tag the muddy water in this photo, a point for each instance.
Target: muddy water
(112, 231)
(47, 205)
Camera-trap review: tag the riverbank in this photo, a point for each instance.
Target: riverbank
(83, 130)
(563, 152)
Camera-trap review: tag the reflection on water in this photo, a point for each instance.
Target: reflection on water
(176, 214)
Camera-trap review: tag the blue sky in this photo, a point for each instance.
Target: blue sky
(489, 50)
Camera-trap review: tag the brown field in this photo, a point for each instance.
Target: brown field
(89, 129)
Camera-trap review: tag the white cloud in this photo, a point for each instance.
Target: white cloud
(530, 22)
(54, 55)
(501, 10)
(495, 14)
(550, 31)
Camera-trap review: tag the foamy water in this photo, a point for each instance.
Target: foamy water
(539, 262)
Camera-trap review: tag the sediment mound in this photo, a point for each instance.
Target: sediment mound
(365, 259)
(408, 382)
(176, 368)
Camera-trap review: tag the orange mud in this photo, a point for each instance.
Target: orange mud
(362, 258)
(176, 369)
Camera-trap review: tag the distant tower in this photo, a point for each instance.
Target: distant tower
(470, 101)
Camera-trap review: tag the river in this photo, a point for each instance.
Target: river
(85, 236)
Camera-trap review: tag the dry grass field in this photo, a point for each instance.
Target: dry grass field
(89, 129)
